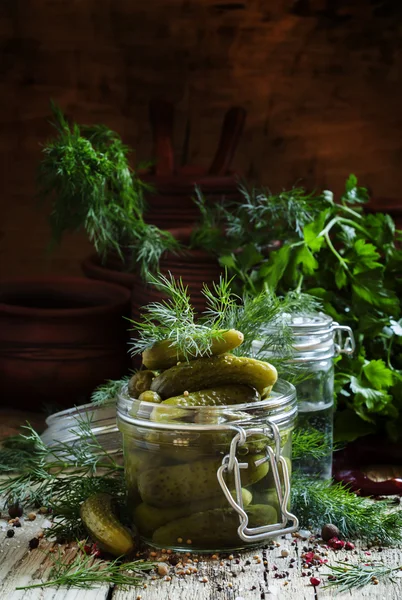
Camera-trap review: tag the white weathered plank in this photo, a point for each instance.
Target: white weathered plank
(20, 567)
(257, 581)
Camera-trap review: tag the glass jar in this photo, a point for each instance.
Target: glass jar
(209, 478)
(69, 426)
(317, 340)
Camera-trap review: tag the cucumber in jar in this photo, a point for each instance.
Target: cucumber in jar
(177, 484)
(212, 529)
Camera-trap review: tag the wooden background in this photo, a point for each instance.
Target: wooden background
(320, 79)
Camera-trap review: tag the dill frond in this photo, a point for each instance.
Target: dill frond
(85, 571)
(107, 391)
(317, 503)
(346, 576)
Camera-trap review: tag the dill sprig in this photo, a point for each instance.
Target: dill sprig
(317, 503)
(173, 319)
(346, 576)
(106, 392)
(84, 571)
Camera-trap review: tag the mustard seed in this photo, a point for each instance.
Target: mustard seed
(163, 569)
(189, 542)
(31, 516)
(179, 540)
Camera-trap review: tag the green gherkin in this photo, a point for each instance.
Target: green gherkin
(217, 396)
(140, 382)
(224, 369)
(212, 529)
(179, 484)
(149, 518)
(164, 354)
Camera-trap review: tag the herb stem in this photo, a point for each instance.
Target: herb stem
(335, 252)
(349, 222)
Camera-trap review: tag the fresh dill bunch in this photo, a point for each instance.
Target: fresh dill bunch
(346, 576)
(46, 476)
(108, 391)
(85, 571)
(173, 319)
(86, 173)
(309, 443)
(317, 503)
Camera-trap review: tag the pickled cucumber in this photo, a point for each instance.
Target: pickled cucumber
(215, 371)
(149, 518)
(267, 497)
(140, 382)
(164, 355)
(212, 529)
(149, 396)
(217, 396)
(103, 526)
(136, 461)
(178, 484)
(268, 482)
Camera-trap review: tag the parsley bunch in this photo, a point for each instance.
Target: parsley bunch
(351, 262)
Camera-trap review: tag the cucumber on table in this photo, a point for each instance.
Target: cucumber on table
(103, 526)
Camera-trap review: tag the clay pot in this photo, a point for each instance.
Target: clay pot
(110, 271)
(60, 338)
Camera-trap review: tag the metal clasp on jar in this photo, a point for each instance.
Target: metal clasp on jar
(230, 464)
(342, 345)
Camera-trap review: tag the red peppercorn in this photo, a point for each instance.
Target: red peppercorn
(315, 581)
(349, 546)
(336, 544)
(87, 549)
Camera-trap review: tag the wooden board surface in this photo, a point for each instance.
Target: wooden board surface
(248, 576)
(249, 579)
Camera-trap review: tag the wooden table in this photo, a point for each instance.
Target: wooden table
(250, 577)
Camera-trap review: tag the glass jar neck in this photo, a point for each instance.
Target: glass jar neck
(280, 408)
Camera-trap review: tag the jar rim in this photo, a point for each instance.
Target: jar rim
(282, 402)
(311, 321)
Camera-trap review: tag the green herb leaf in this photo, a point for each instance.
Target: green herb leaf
(378, 374)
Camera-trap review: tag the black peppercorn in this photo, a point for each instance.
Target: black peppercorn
(15, 510)
(10, 533)
(34, 543)
(329, 531)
